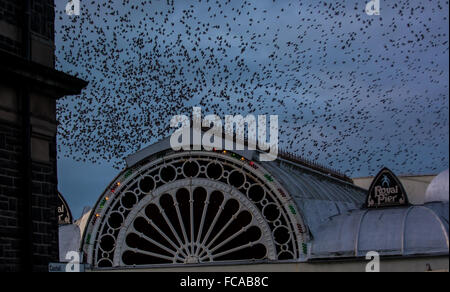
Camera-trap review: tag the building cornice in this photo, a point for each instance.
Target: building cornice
(17, 71)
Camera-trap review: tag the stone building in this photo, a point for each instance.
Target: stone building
(29, 90)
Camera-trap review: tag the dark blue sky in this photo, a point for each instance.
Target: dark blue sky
(353, 91)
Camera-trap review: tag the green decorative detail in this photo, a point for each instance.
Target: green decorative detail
(268, 177)
(305, 248)
(88, 238)
(292, 210)
(102, 203)
(129, 172)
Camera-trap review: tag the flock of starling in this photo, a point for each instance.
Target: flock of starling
(352, 91)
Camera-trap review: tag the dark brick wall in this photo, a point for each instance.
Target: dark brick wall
(44, 175)
(44, 203)
(44, 180)
(45, 223)
(11, 11)
(10, 203)
(42, 16)
(10, 45)
(42, 21)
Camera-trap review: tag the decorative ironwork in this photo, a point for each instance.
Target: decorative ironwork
(193, 208)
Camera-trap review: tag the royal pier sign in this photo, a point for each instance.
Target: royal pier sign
(386, 190)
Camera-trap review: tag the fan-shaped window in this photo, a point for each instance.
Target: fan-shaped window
(192, 208)
(193, 226)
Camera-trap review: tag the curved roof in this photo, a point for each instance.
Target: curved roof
(404, 231)
(317, 195)
(438, 190)
(304, 213)
(289, 201)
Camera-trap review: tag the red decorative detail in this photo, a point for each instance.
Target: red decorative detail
(253, 165)
(300, 228)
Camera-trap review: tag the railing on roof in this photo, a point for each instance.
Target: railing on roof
(293, 157)
(313, 165)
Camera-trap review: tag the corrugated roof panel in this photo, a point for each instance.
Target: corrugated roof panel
(318, 196)
(402, 231)
(381, 230)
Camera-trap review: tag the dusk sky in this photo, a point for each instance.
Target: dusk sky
(352, 91)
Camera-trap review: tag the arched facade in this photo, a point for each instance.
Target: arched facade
(194, 207)
(221, 208)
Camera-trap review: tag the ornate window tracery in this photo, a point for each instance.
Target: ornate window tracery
(193, 208)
